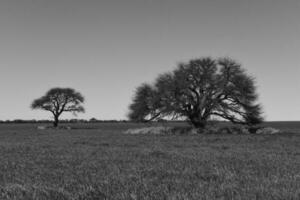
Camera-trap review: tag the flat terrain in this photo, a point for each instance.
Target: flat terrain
(97, 161)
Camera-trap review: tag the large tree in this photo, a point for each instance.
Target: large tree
(59, 100)
(197, 91)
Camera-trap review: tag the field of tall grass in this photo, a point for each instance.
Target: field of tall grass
(98, 161)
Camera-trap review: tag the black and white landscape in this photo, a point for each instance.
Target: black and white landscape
(149, 99)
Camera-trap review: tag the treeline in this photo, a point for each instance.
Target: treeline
(92, 120)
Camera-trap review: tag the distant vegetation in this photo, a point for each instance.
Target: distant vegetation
(197, 91)
(92, 120)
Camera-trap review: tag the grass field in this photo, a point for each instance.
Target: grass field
(97, 161)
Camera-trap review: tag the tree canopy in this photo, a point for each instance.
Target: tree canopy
(197, 91)
(59, 100)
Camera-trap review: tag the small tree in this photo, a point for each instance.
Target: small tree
(144, 104)
(59, 100)
(197, 91)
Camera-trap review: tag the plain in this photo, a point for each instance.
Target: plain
(98, 161)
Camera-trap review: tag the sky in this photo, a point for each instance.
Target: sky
(106, 48)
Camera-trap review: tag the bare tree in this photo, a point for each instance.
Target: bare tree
(199, 90)
(59, 100)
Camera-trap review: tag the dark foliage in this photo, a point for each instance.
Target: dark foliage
(59, 100)
(198, 90)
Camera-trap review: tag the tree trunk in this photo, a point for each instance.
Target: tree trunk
(198, 123)
(55, 123)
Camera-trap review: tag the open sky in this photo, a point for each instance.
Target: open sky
(106, 48)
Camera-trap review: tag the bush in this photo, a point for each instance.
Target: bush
(267, 130)
(230, 129)
(159, 130)
(149, 130)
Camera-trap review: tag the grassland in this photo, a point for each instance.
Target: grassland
(97, 161)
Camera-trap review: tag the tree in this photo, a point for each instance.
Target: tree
(59, 100)
(144, 104)
(197, 91)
